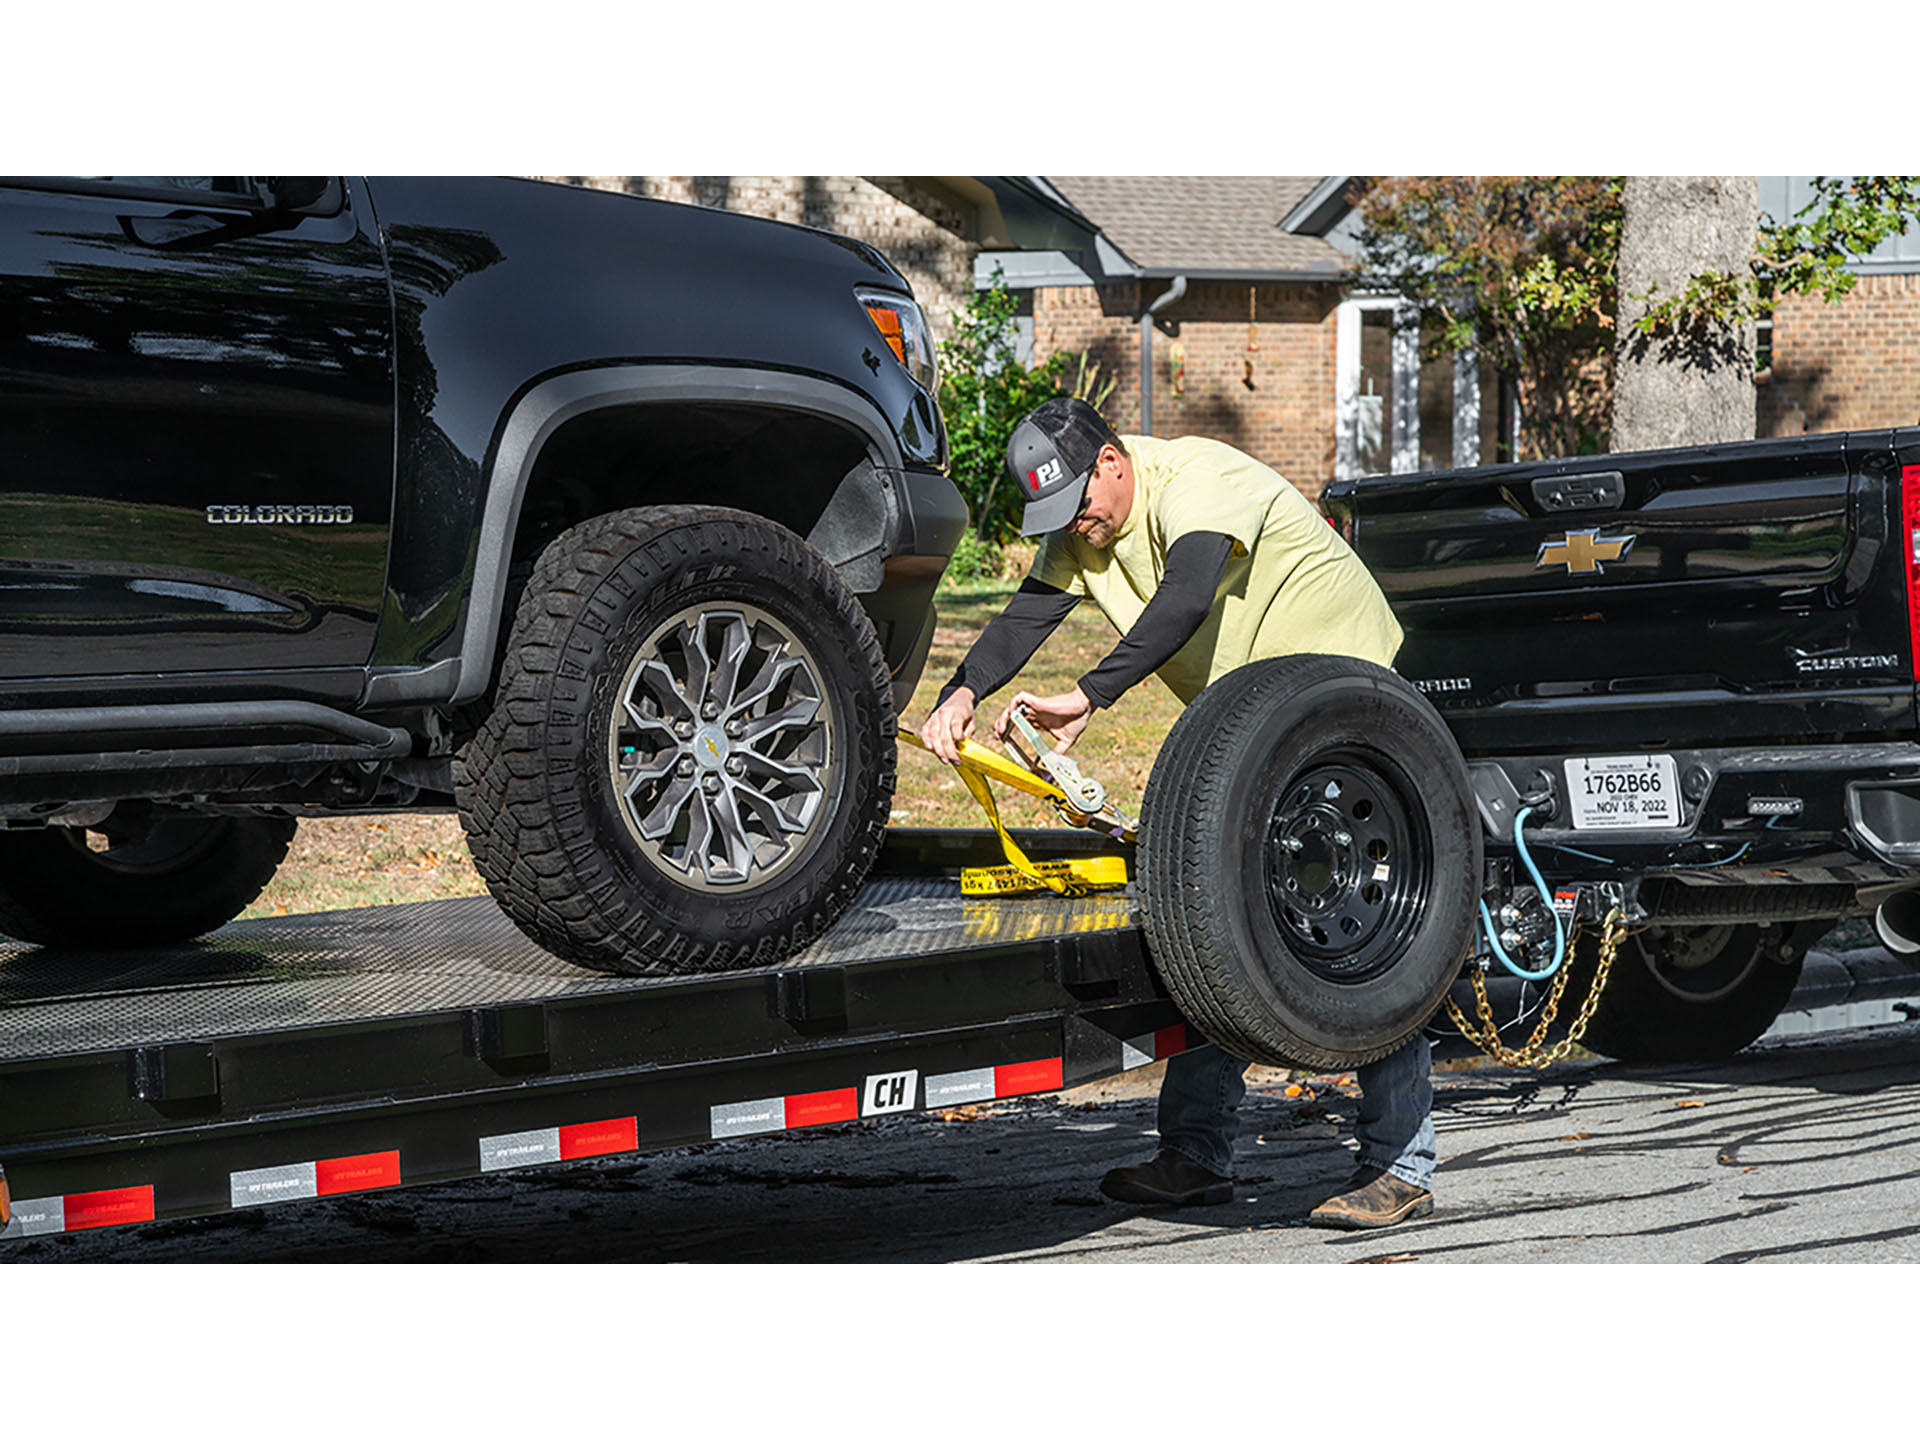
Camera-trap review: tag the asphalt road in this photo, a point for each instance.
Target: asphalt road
(1800, 1149)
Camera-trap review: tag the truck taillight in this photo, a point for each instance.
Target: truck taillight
(1910, 546)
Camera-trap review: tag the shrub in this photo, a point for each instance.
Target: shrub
(984, 392)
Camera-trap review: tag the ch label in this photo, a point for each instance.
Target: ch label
(885, 1094)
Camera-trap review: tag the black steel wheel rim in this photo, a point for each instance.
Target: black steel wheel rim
(1348, 865)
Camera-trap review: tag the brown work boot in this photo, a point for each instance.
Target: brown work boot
(1167, 1179)
(1374, 1198)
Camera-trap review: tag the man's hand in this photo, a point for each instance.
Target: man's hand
(947, 726)
(1059, 717)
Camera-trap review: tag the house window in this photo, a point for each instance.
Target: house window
(1394, 413)
(1373, 400)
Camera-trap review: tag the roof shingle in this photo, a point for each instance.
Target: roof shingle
(1200, 222)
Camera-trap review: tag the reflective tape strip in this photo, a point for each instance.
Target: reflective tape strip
(378, 1171)
(1027, 1079)
(45, 1216)
(310, 1179)
(524, 1147)
(93, 1210)
(100, 1208)
(784, 1112)
(822, 1107)
(272, 1185)
(559, 1142)
(599, 1137)
(1139, 1050)
(965, 1087)
(748, 1117)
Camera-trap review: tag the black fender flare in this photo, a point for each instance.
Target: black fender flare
(547, 406)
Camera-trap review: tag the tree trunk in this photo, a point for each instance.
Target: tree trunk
(1695, 387)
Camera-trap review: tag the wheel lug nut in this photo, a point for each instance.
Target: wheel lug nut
(685, 767)
(736, 766)
(1340, 837)
(736, 728)
(711, 784)
(684, 729)
(1293, 843)
(710, 710)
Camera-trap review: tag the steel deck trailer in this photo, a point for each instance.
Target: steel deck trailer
(303, 1056)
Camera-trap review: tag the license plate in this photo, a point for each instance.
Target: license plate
(1624, 792)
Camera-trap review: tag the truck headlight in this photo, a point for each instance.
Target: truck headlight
(904, 328)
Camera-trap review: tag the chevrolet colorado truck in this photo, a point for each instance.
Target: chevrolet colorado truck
(613, 523)
(1684, 682)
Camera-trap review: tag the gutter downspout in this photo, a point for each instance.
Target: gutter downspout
(1172, 293)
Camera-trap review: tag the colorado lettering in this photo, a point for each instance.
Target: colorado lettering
(279, 514)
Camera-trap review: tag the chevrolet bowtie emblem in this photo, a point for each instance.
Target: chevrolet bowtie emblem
(1582, 551)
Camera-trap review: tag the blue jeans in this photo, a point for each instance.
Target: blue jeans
(1204, 1087)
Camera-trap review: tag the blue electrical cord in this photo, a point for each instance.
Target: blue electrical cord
(1546, 895)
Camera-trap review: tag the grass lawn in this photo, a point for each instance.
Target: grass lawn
(338, 864)
(1117, 749)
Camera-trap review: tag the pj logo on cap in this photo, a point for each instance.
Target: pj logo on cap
(1047, 474)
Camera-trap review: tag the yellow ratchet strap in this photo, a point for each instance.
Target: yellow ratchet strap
(1023, 875)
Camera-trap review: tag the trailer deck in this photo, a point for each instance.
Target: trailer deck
(324, 1054)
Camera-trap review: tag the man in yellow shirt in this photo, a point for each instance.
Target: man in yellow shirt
(1202, 559)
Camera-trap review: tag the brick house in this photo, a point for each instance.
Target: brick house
(1206, 312)
(1853, 365)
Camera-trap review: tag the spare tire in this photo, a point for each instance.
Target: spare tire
(1309, 861)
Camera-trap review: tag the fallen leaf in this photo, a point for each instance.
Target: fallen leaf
(1293, 1092)
(1750, 1169)
(1583, 1135)
(1403, 1256)
(1688, 1104)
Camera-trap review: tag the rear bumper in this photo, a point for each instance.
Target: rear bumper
(1779, 814)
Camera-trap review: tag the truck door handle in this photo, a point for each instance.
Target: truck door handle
(1604, 490)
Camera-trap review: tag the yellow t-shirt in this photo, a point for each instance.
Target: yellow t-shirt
(1292, 585)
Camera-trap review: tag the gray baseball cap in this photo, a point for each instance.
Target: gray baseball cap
(1051, 454)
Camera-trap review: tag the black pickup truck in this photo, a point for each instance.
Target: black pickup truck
(1684, 682)
(614, 523)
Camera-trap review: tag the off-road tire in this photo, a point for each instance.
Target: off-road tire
(1655, 1012)
(1240, 959)
(187, 875)
(539, 801)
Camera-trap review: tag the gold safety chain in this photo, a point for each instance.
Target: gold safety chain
(1534, 1055)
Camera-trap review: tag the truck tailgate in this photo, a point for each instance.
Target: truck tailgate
(1711, 595)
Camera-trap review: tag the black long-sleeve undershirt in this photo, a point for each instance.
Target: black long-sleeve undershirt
(1178, 608)
(1011, 637)
(1195, 563)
